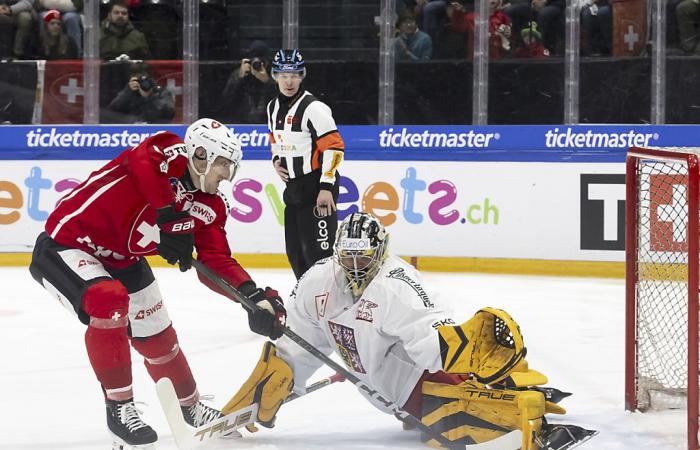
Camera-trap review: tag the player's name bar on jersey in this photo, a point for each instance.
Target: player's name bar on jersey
(536, 143)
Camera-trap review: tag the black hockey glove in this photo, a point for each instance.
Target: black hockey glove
(269, 318)
(176, 238)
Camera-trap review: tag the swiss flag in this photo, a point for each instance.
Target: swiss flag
(168, 74)
(63, 92)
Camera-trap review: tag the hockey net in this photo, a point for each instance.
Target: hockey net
(662, 281)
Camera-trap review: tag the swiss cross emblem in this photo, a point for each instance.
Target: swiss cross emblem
(668, 224)
(364, 310)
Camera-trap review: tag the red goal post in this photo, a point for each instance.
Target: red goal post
(661, 286)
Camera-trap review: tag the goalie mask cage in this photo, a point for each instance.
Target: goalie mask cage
(661, 368)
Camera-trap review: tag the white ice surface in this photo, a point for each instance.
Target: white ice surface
(573, 328)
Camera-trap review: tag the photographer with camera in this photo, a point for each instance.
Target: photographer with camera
(142, 100)
(249, 88)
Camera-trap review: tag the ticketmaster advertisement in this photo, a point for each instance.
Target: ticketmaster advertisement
(531, 192)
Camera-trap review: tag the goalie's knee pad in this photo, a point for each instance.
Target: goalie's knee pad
(489, 345)
(269, 386)
(471, 412)
(106, 302)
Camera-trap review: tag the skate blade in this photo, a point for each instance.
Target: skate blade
(232, 435)
(119, 444)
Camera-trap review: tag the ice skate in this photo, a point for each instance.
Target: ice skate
(127, 429)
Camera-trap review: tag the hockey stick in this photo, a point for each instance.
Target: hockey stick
(508, 441)
(316, 386)
(186, 438)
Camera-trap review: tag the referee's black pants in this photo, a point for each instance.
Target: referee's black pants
(307, 238)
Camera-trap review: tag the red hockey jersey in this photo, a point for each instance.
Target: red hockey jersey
(112, 214)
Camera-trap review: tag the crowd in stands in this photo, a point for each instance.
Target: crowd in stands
(425, 29)
(536, 28)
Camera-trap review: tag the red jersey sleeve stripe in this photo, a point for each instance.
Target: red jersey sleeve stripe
(92, 198)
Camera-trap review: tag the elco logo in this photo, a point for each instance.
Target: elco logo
(602, 212)
(322, 238)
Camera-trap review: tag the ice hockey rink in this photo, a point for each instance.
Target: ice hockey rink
(573, 329)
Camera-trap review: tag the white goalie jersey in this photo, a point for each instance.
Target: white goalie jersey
(387, 338)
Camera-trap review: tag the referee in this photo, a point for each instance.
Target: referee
(306, 152)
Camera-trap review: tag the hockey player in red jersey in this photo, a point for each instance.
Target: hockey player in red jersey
(159, 197)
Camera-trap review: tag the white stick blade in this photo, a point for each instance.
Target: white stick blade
(171, 407)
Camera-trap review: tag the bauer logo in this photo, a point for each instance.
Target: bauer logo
(602, 212)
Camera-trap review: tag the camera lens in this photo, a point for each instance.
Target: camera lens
(256, 64)
(146, 83)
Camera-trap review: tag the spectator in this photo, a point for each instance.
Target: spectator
(549, 15)
(70, 15)
(411, 43)
(688, 14)
(596, 27)
(119, 37)
(142, 100)
(433, 13)
(499, 28)
(249, 88)
(16, 21)
(532, 43)
(55, 44)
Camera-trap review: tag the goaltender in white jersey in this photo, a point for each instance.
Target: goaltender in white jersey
(468, 382)
(387, 338)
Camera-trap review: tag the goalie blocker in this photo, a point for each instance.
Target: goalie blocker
(487, 348)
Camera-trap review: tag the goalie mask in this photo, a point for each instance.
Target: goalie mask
(217, 140)
(360, 247)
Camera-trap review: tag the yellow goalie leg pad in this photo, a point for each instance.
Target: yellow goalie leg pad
(522, 377)
(471, 413)
(269, 386)
(489, 345)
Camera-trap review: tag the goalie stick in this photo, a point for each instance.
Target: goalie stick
(508, 441)
(185, 437)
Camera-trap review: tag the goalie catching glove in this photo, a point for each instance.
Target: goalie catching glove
(269, 386)
(270, 316)
(489, 346)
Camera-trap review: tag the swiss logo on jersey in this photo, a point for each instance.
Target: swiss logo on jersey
(364, 310)
(143, 313)
(321, 302)
(85, 262)
(202, 212)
